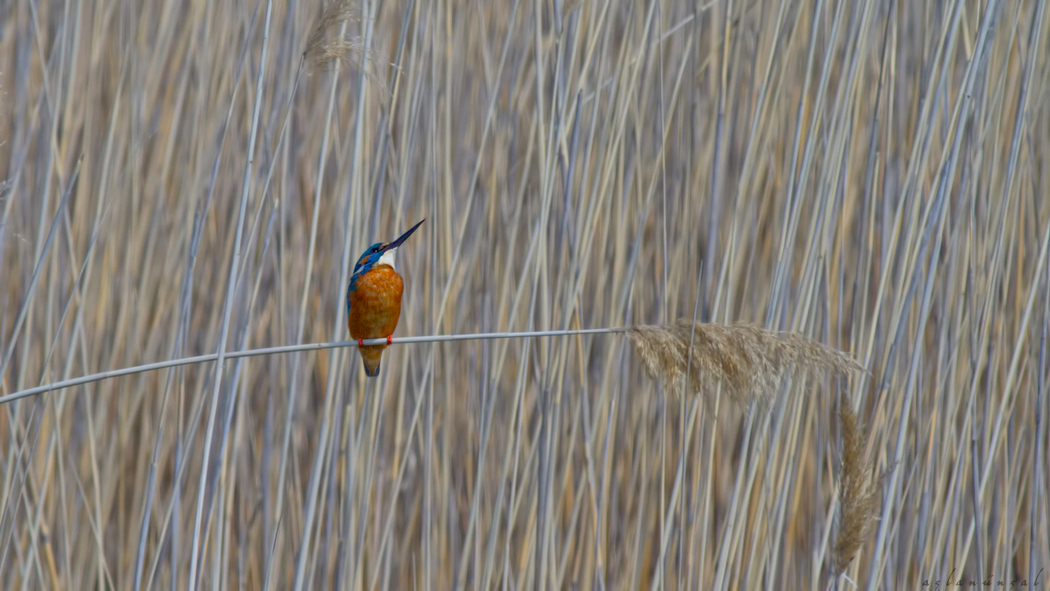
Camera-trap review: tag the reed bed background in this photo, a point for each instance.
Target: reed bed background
(181, 178)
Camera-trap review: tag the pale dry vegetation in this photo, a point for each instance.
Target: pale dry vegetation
(801, 177)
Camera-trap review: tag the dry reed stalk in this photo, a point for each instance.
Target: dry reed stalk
(749, 363)
(857, 497)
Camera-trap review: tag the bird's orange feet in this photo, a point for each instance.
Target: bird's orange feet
(390, 339)
(360, 343)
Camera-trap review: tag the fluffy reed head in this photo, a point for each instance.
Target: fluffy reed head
(748, 363)
(323, 45)
(326, 47)
(858, 499)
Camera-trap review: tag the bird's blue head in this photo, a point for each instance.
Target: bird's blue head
(369, 258)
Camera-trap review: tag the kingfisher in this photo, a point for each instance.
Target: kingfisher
(373, 299)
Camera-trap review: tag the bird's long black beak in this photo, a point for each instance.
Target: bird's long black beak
(403, 237)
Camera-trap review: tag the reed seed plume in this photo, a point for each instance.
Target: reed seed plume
(857, 497)
(334, 15)
(749, 363)
(327, 44)
(327, 52)
(328, 47)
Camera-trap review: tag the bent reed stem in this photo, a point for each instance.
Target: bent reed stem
(105, 375)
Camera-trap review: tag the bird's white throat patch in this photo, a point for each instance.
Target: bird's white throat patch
(388, 257)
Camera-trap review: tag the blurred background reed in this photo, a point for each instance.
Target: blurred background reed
(869, 173)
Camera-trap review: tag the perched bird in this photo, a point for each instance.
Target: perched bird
(373, 299)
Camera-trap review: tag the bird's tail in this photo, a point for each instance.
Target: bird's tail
(371, 355)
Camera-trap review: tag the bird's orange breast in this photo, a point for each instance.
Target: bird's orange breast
(375, 303)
